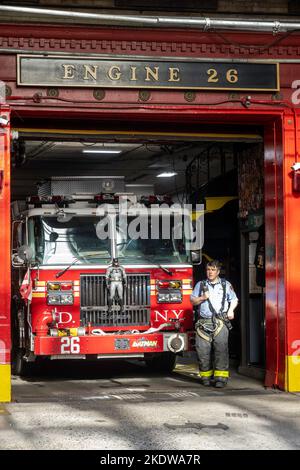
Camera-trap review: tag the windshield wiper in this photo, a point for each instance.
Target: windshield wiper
(166, 270)
(60, 273)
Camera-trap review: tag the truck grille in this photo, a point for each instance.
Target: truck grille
(93, 301)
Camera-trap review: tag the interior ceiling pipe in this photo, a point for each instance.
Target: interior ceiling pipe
(161, 21)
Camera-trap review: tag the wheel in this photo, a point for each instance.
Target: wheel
(18, 364)
(161, 362)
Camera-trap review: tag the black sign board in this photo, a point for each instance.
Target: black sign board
(136, 72)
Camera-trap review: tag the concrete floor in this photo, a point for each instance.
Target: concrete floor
(121, 405)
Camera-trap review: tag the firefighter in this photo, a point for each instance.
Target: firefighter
(115, 282)
(216, 301)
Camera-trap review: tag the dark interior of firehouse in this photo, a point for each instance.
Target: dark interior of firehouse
(214, 166)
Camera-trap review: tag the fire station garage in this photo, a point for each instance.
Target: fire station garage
(166, 117)
(211, 168)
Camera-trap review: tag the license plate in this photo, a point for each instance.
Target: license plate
(122, 344)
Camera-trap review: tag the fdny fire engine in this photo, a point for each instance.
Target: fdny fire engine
(63, 304)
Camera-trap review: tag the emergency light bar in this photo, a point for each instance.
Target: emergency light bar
(60, 293)
(166, 284)
(108, 198)
(38, 201)
(59, 286)
(153, 199)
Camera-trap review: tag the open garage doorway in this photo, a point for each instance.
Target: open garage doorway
(228, 178)
(213, 167)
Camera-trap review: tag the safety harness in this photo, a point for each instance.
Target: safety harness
(210, 305)
(208, 328)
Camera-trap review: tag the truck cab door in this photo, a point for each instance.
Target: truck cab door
(5, 270)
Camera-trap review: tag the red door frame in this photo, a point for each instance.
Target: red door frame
(292, 252)
(275, 302)
(280, 203)
(5, 264)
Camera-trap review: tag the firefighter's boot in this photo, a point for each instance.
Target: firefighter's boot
(205, 382)
(220, 384)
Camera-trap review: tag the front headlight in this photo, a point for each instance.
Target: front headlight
(63, 299)
(53, 299)
(162, 297)
(66, 299)
(169, 297)
(175, 297)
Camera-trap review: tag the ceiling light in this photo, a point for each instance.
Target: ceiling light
(101, 151)
(167, 174)
(159, 165)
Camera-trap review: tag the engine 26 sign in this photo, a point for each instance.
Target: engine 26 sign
(146, 73)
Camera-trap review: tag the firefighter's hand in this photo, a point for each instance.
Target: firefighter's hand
(230, 315)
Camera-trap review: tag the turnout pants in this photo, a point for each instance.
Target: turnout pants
(212, 351)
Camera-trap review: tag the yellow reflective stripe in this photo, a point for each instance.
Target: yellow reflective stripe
(40, 283)
(207, 373)
(221, 373)
(188, 292)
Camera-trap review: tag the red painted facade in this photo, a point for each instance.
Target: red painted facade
(276, 113)
(5, 238)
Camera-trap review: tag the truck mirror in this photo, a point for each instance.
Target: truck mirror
(17, 262)
(196, 256)
(25, 252)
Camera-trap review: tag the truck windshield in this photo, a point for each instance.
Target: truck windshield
(60, 242)
(160, 242)
(57, 242)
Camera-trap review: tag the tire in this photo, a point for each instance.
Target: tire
(161, 362)
(18, 364)
(23, 368)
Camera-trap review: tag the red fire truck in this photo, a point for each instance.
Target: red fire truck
(60, 262)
